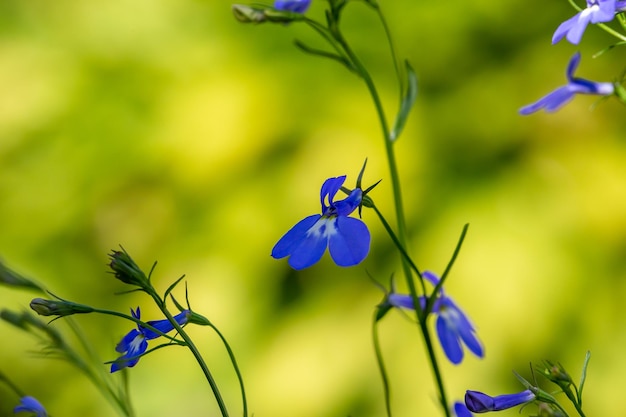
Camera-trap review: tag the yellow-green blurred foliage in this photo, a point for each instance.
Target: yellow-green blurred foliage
(168, 127)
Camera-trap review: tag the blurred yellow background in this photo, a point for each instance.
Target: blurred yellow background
(189, 138)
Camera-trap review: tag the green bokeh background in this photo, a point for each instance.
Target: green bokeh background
(170, 128)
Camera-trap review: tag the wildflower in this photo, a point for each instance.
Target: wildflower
(135, 343)
(562, 95)
(347, 238)
(597, 11)
(31, 405)
(453, 326)
(296, 6)
(478, 402)
(460, 410)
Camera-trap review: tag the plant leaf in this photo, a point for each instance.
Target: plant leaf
(407, 103)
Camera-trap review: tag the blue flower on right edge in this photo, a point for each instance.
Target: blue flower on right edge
(597, 11)
(562, 95)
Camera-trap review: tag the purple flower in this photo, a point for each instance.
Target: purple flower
(597, 11)
(562, 95)
(460, 410)
(296, 6)
(482, 403)
(31, 405)
(453, 326)
(347, 238)
(135, 343)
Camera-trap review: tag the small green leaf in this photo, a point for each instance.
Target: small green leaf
(583, 376)
(407, 103)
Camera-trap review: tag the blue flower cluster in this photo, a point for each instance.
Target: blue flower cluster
(135, 343)
(597, 11)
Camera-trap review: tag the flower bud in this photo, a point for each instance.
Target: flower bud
(58, 308)
(248, 14)
(126, 270)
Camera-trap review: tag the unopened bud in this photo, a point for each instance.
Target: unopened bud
(126, 270)
(248, 14)
(58, 308)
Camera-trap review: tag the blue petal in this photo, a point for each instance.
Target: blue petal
(461, 410)
(572, 66)
(551, 102)
(449, 341)
(330, 188)
(294, 237)
(312, 248)
(349, 204)
(564, 28)
(351, 244)
(297, 6)
(130, 358)
(30, 404)
(126, 342)
(164, 326)
(431, 277)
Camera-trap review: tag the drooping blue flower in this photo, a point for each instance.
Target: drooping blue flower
(135, 343)
(482, 403)
(562, 95)
(296, 6)
(347, 238)
(31, 405)
(597, 11)
(453, 325)
(460, 410)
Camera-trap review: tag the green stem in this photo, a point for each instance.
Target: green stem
(381, 366)
(194, 350)
(401, 236)
(231, 355)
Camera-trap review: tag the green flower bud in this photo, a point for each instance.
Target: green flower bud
(58, 308)
(248, 14)
(126, 270)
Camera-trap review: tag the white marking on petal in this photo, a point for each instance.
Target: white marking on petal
(323, 228)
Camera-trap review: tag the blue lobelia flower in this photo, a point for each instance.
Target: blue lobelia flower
(31, 405)
(482, 403)
(453, 326)
(460, 410)
(135, 343)
(562, 95)
(347, 238)
(296, 6)
(597, 11)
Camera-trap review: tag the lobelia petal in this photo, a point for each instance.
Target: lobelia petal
(330, 188)
(313, 246)
(164, 326)
(349, 204)
(553, 101)
(127, 341)
(461, 410)
(297, 6)
(30, 404)
(575, 34)
(294, 237)
(351, 244)
(564, 29)
(449, 341)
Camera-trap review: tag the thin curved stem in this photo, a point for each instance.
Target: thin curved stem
(194, 350)
(231, 355)
(381, 366)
